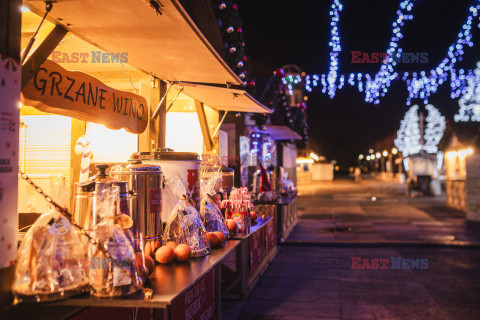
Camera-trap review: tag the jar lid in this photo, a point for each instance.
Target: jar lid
(138, 166)
(165, 154)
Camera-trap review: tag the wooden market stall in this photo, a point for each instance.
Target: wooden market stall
(174, 86)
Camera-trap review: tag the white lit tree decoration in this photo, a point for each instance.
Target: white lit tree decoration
(411, 138)
(434, 130)
(470, 101)
(408, 136)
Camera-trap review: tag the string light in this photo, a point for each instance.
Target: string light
(335, 45)
(420, 85)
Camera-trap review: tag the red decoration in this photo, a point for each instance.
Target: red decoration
(239, 30)
(244, 58)
(251, 83)
(302, 105)
(234, 6)
(265, 186)
(279, 73)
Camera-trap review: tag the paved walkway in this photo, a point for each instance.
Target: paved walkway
(312, 277)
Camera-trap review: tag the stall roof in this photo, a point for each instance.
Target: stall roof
(226, 99)
(280, 132)
(168, 46)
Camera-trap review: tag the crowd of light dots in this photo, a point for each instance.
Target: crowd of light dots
(420, 84)
(470, 102)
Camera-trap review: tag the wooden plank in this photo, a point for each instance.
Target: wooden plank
(202, 118)
(31, 66)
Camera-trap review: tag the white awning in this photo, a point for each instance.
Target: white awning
(226, 99)
(168, 46)
(279, 132)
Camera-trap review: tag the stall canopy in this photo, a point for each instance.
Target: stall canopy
(279, 132)
(168, 45)
(226, 99)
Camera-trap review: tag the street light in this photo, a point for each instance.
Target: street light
(370, 151)
(368, 158)
(394, 151)
(378, 155)
(385, 153)
(360, 157)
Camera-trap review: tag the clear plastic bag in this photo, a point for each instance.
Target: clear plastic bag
(52, 262)
(209, 210)
(116, 273)
(185, 224)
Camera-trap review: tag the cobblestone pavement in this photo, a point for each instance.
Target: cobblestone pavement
(312, 276)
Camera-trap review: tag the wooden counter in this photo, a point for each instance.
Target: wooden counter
(170, 284)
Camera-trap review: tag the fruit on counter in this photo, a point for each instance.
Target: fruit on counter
(171, 244)
(231, 225)
(254, 215)
(165, 254)
(150, 264)
(157, 244)
(182, 252)
(220, 236)
(142, 268)
(148, 248)
(213, 239)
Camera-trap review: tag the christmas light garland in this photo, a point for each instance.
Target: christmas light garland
(420, 85)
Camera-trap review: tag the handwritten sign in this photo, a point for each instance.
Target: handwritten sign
(78, 95)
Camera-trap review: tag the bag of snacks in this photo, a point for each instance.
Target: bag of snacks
(113, 270)
(238, 208)
(51, 261)
(185, 224)
(210, 212)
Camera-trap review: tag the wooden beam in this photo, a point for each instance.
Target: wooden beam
(162, 117)
(147, 141)
(31, 66)
(202, 118)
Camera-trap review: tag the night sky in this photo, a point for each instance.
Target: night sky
(282, 32)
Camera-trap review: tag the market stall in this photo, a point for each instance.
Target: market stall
(279, 199)
(93, 140)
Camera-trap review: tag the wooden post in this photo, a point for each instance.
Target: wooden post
(162, 117)
(10, 35)
(202, 118)
(147, 141)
